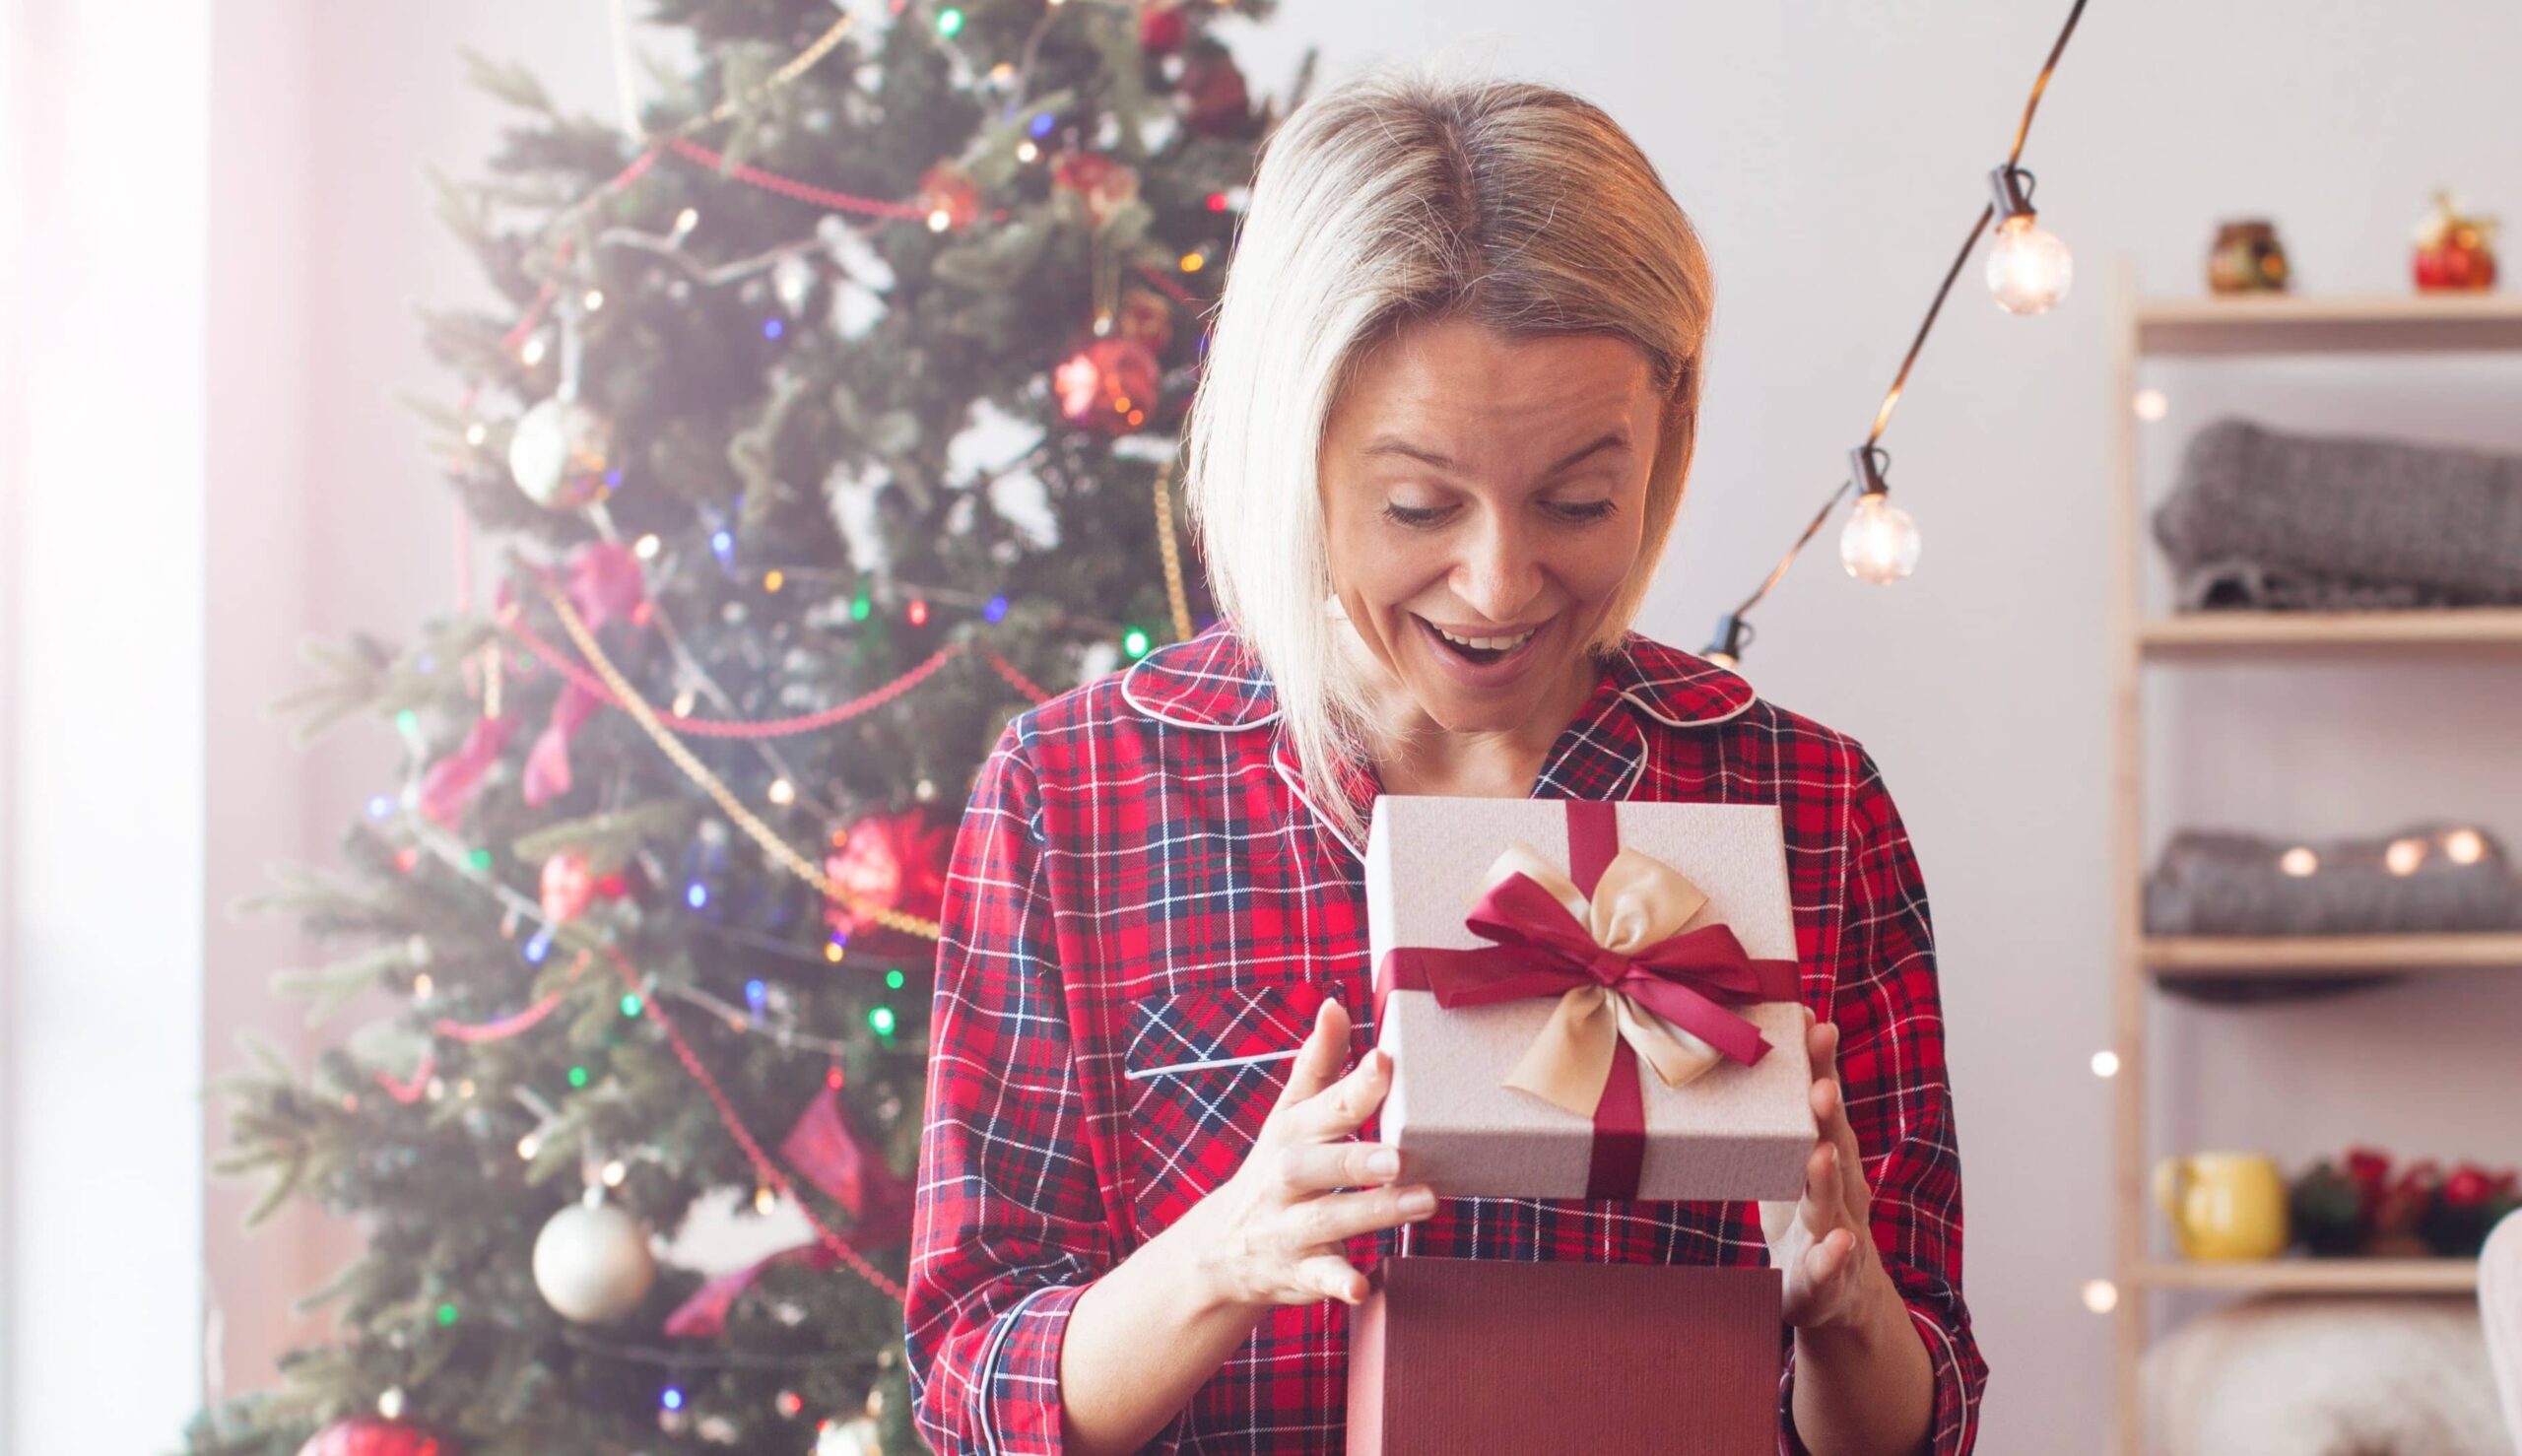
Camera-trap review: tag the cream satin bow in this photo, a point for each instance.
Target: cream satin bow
(1639, 902)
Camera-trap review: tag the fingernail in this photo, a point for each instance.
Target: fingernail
(1384, 1162)
(1418, 1203)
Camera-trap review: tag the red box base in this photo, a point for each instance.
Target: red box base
(1449, 1356)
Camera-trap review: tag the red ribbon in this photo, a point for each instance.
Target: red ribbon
(1539, 949)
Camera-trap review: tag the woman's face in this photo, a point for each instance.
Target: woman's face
(1485, 498)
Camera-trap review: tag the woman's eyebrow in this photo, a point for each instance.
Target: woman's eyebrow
(1388, 445)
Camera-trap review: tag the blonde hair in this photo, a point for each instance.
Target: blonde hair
(1399, 197)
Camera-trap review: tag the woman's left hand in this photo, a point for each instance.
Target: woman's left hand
(1823, 1242)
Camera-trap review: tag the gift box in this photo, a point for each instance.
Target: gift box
(1466, 1355)
(1589, 1000)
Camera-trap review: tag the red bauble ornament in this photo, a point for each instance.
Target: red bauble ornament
(2455, 254)
(894, 862)
(1163, 24)
(1097, 180)
(568, 885)
(374, 1436)
(1109, 386)
(1215, 101)
(950, 197)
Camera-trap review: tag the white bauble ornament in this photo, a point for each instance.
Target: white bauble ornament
(592, 1262)
(855, 1437)
(560, 455)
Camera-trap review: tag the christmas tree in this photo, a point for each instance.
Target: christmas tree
(827, 424)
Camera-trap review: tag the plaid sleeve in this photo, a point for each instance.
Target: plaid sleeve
(1009, 1224)
(1899, 1101)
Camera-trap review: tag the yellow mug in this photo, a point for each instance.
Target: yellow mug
(2224, 1205)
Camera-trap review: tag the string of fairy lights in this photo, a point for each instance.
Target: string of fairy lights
(2029, 271)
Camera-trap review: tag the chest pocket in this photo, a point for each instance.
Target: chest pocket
(1203, 1069)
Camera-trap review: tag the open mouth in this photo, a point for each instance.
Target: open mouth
(1481, 651)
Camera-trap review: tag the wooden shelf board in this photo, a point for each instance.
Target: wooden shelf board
(2282, 324)
(2249, 632)
(2171, 957)
(2316, 1276)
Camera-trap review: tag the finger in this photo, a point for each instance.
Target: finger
(1313, 1168)
(1338, 1218)
(1829, 1257)
(1330, 1277)
(1342, 1107)
(1324, 1053)
(1823, 1208)
(1829, 1109)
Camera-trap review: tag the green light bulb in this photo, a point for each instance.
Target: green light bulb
(446, 1314)
(950, 22)
(893, 978)
(1135, 641)
(630, 1006)
(577, 1077)
(882, 1019)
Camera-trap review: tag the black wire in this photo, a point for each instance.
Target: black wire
(1900, 381)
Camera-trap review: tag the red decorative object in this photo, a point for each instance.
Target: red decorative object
(568, 885)
(1107, 385)
(949, 198)
(1216, 102)
(547, 765)
(451, 782)
(2356, 1206)
(605, 583)
(703, 1316)
(2455, 254)
(891, 862)
(825, 1149)
(1101, 183)
(374, 1436)
(1163, 24)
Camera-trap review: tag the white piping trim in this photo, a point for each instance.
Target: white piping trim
(1630, 694)
(1297, 786)
(1953, 1353)
(1141, 1074)
(1130, 697)
(1004, 1326)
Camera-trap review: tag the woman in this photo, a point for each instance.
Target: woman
(1446, 418)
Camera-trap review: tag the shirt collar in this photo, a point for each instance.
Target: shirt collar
(1213, 683)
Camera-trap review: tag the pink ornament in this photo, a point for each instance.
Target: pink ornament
(374, 1436)
(1101, 183)
(546, 765)
(451, 782)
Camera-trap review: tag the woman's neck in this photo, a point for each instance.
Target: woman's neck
(1416, 755)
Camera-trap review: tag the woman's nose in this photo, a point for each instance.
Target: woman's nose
(1500, 573)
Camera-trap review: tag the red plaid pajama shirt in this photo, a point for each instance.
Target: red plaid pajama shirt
(1142, 917)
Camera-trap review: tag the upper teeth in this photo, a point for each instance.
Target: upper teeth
(1485, 644)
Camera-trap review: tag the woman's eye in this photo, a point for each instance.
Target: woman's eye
(1413, 516)
(1582, 511)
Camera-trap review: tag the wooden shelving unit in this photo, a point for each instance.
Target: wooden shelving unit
(2243, 328)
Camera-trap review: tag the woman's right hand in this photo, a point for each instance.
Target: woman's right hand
(1272, 1234)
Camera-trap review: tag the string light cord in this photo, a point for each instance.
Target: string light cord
(1734, 630)
(561, 662)
(773, 1176)
(779, 849)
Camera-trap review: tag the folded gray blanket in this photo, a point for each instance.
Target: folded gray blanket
(2224, 884)
(2270, 520)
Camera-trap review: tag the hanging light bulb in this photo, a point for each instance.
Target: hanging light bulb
(1733, 638)
(2028, 268)
(1881, 543)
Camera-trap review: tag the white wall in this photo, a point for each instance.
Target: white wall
(1832, 155)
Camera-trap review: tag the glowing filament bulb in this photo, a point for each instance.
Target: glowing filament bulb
(2028, 268)
(1881, 543)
